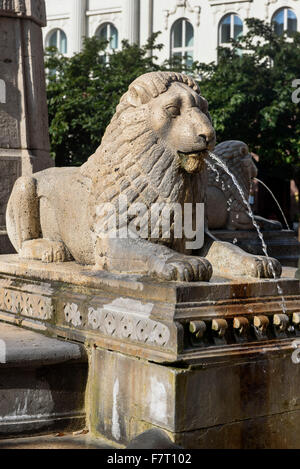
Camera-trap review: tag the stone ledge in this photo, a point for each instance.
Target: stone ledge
(42, 383)
(65, 441)
(172, 322)
(22, 348)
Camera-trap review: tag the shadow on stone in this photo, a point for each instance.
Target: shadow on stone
(152, 439)
(297, 273)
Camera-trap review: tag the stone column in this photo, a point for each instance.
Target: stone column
(146, 20)
(78, 19)
(24, 136)
(132, 14)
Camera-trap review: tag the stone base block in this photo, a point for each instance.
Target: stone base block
(42, 383)
(252, 403)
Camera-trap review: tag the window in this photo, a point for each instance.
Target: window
(182, 41)
(231, 27)
(285, 20)
(58, 39)
(108, 32)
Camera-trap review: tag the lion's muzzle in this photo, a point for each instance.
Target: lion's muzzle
(193, 162)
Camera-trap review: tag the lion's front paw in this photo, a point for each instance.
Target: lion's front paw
(264, 267)
(54, 253)
(183, 268)
(45, 250)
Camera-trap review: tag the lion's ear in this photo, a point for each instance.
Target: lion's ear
(245, 150)
(137, 96)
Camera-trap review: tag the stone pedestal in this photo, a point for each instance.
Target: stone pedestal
(249, 403)
(24, 138)
(215, 365)
(42, 383)
(281, 244)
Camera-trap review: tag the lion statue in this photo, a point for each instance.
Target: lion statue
(225, 207)
(153, 151)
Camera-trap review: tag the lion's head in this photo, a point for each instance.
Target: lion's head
(232, 212)
(155, 146)
(239, 160)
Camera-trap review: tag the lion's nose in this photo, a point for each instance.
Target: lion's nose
(204, 137)
(208, 138)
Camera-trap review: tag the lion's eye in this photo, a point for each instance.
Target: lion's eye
(173, 111)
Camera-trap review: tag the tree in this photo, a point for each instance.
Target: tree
(83, 92)
(249, 93)
(250, 96)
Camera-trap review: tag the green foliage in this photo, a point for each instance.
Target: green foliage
(83, 92)
(249, 94)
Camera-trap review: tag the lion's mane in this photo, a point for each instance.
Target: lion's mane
(132, 161)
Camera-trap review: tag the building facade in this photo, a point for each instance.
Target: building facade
(191, 29)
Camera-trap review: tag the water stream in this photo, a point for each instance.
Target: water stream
(220, 163)
(278, 205)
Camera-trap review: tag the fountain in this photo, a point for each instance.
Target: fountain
(275, 200)
(198, 345)
(221, 164)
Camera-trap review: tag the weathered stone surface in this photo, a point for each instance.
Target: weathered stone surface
(152, 439)
(42, 383)
(279, 431)
(146, 318)
(186, 358)
(25, 348)
(248, 403)
(23, 110)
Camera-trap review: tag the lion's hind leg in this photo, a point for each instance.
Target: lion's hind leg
(22, 216)
(24, 226)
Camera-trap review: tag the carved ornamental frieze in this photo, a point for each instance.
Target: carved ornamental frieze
(26, 304)
(193, 327)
